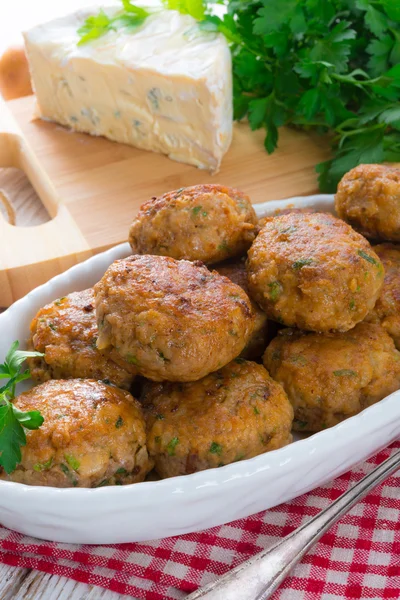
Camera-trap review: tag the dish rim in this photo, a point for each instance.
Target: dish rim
(271, 460)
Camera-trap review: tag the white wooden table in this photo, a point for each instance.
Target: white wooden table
(17, 583)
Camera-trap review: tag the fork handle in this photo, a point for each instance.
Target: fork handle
(258, 577)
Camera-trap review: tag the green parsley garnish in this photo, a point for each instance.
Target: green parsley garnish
(329, 66)
(132, 17)
(160, 417)
(119, 422)
(60, 301)
(298, 359)
(216, 448)
(345, 373)
(300, 423)
(13, 421)
(72, 461)
(223, 246)
(275, 290)
(256, 411)
(96, 26)
(367, 257)
(352, 304)
(43, 466)
(121, 471)
(162, 356)
(132, 359)
(172, 445)
(70, 475)
(302, 262)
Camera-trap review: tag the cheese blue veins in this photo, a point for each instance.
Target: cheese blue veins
(155, 87)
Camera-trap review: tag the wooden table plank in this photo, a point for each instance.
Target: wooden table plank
(11, 579)
(43, 586)
(22, 198)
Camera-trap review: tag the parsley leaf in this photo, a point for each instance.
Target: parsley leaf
(195, 8)
(96, 26)
(13, 421)
(331, 67)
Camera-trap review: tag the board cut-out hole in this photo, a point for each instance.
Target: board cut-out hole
(19, 203)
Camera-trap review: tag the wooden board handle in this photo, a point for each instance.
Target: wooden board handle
(30, 245)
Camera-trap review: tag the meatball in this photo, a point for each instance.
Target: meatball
(93, 435)
(204, 222)
(171, 319)
(313, 271)
(329, 377)
(65, 331)
(387, 308)
(368, 197)
(236, 272)
(283, 211)
(235, 413)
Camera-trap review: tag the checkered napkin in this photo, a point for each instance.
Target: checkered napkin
(358, 558)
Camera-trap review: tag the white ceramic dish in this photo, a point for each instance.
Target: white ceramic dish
(183, 504)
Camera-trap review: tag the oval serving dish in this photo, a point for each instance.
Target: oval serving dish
(157, 509)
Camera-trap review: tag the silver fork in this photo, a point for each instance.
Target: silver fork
(260, 576)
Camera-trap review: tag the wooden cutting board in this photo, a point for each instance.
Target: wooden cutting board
(92, 188)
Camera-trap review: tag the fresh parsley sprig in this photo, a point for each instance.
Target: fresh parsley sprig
(132, 16)
(95, 26)
(13, 421)
(330, 66)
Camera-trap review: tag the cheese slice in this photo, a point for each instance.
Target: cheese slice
(165, 87)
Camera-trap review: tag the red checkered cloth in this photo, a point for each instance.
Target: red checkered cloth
(358, 558)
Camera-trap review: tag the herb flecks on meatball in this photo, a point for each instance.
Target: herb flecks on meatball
(368, 197)
(387, 308)
(65, 331)
(235, 270)
(232, 414)
(171, 319)
(313, 271)
(330, 377)
(206, 222)
(92, 435)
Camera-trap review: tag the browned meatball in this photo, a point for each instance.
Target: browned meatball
(65, 331)
(235, 413)
(204, 222)
(329, 377)
(368, 197)
(171, 319)
(236, 272)
(387, 308)
(313, 271)
(283, 211)
(93, 435)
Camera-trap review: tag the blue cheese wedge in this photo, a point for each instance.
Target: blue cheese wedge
(165, 87)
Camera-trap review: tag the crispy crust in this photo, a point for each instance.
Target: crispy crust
(368, 197)
(204, 222)
(93, 434)
(235, 413)
(329, 377)
(66, 332)
(387, 308)
(172, 319)
(313, 271)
